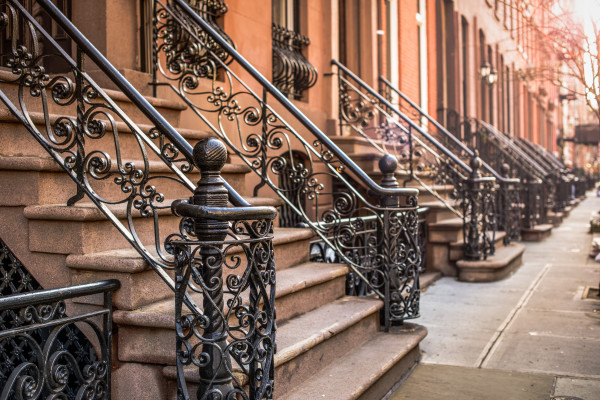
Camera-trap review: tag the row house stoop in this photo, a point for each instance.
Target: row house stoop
(329, 345)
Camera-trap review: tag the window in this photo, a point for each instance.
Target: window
(292, 73)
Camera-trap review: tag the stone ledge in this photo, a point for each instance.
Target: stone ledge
(496, 267)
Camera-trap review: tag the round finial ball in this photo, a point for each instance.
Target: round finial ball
(476, 161)
(388, 164)
(210, 154)
(505, 169)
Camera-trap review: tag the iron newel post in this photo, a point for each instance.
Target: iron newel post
(387, 166)
(210, 156)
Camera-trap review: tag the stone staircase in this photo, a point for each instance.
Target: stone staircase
(326, 342)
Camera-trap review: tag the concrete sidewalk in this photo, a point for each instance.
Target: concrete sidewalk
(529, 336)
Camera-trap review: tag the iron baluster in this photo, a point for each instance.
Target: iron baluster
(398, 238)
(479, 228)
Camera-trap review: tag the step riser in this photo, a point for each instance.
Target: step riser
(92, 236)
(137, 290)
(309, 299)
(438, 259)
(33, 187)
(438, 214)
(445, 236)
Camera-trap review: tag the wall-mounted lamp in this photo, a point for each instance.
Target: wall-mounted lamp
(488, 74)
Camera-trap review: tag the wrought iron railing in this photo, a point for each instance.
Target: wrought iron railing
(45, 350)
(243, 114)
(112, 161)
(293, 74)
(456, 135)
(561, 176)
(387, 129)
(538, 189)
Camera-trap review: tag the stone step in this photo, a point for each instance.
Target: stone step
(555, 218)
(456, 248)
(446, 231)
(367, 372)
(438, 210)
(313, 341)
(40, 180)
(506, 260)
(426, 196)
(428, 278)
(537, 233)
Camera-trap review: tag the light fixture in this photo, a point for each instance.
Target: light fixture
(488, 74)
(485, 70)
(492, 77)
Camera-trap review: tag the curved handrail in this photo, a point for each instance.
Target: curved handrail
(493, 130)
(19, 300)
(128, 89)
(307, 123)
(450, 136)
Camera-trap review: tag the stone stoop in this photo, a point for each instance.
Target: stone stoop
(555, 218)
(457, 248)
(537, 233)
(440, 235)
(506, 260)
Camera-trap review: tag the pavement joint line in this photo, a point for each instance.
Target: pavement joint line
(493, 343)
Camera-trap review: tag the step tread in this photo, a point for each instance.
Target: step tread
(503, 256)
(539, 228)
(128, 260)
(84, 211)
(161, 313)
(361, 367)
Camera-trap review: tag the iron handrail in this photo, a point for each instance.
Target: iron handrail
(450, 136)
(494, 131)
(293, 110)
(381, 99)
(20, 300)
(136, 98)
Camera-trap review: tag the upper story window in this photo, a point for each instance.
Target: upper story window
(292, 73)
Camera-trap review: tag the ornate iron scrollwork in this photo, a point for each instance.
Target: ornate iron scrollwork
(43, 354)
(100, 147)
(404, 131)
(247, 123)
(292, 73)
